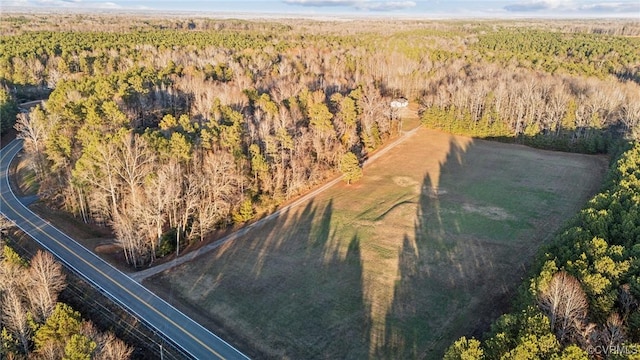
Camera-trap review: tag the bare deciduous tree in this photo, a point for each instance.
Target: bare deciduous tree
(217, 189)
(158, 191)
(631, 118)
(565, 303)
(628, 302)
(112, 348)
(11, 276)
(46, 281)
(34, 129)
(50, 351)
(14, 316)
(131, 237)
(610, 335)
(134, 162)
(99, 169)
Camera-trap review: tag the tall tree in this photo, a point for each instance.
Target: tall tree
(131, 236)
(34, 128)
(134, 160)
(46, 281)
(350, 168)
(58, 329)
(15, 317)
(565, 303)
(217, 189)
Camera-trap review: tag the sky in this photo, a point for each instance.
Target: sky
(356, 8)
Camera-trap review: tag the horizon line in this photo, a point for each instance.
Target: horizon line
(272, 15)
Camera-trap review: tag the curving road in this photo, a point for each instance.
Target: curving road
(188, 335)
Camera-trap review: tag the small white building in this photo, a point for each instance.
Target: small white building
(399, 103)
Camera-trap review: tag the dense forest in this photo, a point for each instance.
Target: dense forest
(34, 325)
(166, 130)
(544, 110)
(169, 119)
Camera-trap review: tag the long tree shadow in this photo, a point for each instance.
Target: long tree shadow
(451, 282)
(390, 267)
(290, 290)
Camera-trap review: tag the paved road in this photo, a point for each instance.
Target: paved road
(188, 335)
(141, 275)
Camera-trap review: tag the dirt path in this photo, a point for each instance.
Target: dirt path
(142, 275)
(29, 104)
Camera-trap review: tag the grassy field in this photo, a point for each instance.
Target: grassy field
(427, 247)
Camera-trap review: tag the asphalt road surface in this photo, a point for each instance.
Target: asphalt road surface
(185, 333)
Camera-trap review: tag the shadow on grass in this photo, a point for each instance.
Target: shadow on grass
(479, 222)
(391, 267)
(289, 290)
(451, 282)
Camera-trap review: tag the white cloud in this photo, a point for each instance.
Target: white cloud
(574, 6)
(558, 3)
(15, 3)
(356, 4)
(386, 5)
(61, 3)
(66, 4)
(108, 5)
(617, 7)
(321, 3)
(537, 5)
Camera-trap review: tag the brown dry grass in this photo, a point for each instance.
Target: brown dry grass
(427, 247)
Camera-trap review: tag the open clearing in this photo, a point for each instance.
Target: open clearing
(427, 247)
